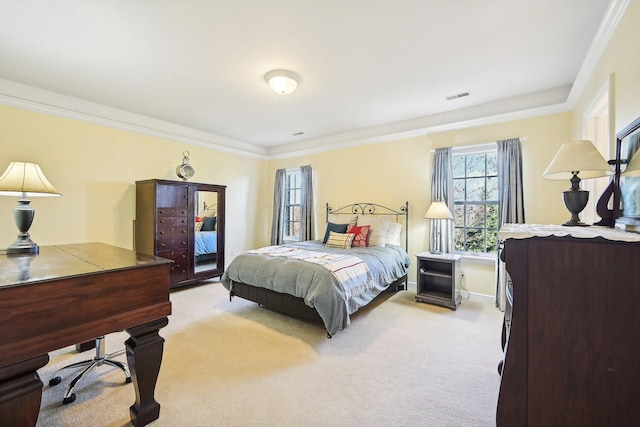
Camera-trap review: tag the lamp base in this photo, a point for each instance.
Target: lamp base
(575, 201)
(24, 245)
(23, 215)
(435, 252)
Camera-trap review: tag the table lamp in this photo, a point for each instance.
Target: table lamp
(438, 211)
(574, 161)
(24, 180)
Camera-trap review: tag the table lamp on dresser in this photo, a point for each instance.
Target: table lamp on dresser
(574, 161)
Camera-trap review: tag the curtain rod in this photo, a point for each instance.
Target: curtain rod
(480, 145)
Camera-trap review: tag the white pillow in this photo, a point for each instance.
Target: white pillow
(379, 225)
(340, 240)
(350, 219)
(393, 234)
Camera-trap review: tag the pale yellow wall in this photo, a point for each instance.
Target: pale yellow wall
(390, 173)
(622, 61)
(95, 168)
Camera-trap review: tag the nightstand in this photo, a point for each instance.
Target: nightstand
(438, 279)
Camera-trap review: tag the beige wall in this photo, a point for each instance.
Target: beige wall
(95, 169)
(391, 172)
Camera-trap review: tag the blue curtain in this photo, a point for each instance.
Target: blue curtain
(510, 200)
(277, 226)
(306, 214)
(442, 191)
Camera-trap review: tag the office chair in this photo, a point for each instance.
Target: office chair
(99, 359)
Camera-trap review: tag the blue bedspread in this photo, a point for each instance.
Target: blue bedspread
(314, 283)
(206, 242)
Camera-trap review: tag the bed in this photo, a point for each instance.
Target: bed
(330, 279)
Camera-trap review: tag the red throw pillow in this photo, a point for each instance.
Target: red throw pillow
(362, 233)
(199, 219)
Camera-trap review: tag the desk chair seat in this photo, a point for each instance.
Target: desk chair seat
(99, 359)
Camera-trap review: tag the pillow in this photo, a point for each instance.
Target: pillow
(339, 240)
(199, 225)
(338, 228)
(343, 219)
(208, 223)
(360, 235)
(379, 225)
(393, 234)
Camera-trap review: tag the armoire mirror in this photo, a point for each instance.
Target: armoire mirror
(208, 239)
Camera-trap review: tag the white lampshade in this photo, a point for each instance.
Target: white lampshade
(438, 210)
(282, 81)
(577, 156)
(633, 167)
(22, 178)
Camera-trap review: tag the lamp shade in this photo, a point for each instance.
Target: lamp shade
(577, 156)
(633, 167)
(282, 81)
(22, 178)
(438, 210)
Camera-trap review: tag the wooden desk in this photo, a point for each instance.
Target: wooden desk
(74, 293)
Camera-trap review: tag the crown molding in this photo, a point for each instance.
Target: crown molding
(515, 108)
(521, 107)
(33, 99)
(613, 15)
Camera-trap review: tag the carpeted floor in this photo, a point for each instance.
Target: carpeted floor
(400, 363)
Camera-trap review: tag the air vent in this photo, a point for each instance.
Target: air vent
(460, 95)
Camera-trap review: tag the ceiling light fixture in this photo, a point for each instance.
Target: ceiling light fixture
(282, 81)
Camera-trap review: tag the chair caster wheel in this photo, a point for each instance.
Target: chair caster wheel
(70, 399)
(128, 380)
(55, 381)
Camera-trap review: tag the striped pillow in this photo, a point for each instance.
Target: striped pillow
(340, 240)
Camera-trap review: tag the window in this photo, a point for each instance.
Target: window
(292, 208)
(475, 194)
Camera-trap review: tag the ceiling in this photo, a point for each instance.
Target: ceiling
(369, 68)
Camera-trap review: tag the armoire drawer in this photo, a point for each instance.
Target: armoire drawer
(165, 233)
(172, 221)
(171, 245)
(172, 212)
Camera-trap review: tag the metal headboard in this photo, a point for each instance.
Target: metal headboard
(375, 209)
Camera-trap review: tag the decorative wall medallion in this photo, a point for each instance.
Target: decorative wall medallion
(185, 171)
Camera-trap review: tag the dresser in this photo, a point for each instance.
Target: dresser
(572, 342)
(169, 218)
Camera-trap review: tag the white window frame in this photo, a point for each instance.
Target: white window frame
(288, 205)
(490, 148)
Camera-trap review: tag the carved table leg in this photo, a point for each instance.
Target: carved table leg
(144, 355)
(20, 392)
